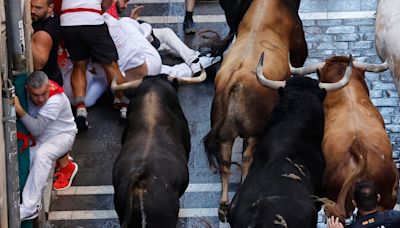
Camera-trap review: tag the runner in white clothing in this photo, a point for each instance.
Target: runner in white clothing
(50, 121)
(87, 37)
(164, 39)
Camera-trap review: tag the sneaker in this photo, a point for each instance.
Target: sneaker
(65, 176)
(81, 119)
(29, 215)
(205, 61)
(188, 26)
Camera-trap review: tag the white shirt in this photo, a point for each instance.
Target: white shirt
(129, 53)
(58, 109)
(83, 17)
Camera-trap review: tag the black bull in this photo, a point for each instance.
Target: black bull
(288, 165)
(151, 173)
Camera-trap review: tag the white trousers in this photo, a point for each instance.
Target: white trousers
(96, 84)
(42, 157)
(171, 43)
(153, 58)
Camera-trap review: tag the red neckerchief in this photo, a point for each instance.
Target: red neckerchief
(113, 11)
(54, 88)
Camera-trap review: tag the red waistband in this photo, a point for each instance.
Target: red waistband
(81, 10)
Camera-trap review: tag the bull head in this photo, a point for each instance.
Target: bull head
(136, 83)
(309, 69)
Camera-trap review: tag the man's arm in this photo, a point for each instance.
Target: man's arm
(41, 47)
(34, 125)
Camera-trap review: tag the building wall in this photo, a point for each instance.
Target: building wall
(3, 72)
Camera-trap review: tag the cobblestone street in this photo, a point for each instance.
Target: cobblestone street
(332, 27)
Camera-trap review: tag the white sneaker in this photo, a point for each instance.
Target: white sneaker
(205, 61)
(29, 215)
(182, 70)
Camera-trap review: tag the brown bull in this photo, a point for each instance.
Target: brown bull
(241, 105)
(355, 145)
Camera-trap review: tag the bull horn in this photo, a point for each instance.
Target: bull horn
(263, 80)
(372, 67)
(126, 85)
(337, 85)
(306, 69)
(191, 80)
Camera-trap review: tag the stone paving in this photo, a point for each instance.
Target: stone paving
(96, 150)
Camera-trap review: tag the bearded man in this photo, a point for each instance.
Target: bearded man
(45, 39)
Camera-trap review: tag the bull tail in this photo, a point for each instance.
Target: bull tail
(211, 145)
(359, 153)
(135, 188)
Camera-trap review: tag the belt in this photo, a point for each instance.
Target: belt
(73, 10)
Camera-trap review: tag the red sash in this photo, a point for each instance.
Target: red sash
(25, 141)
(73, 10)
(57, 9)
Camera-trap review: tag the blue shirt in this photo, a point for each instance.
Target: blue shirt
(386, 219)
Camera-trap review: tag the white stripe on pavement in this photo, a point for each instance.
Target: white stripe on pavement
(82, 215)
(108, 189)
(111, 214)
(221, 18)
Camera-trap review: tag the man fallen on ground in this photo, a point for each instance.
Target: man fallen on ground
(163, 39)
(138, 57)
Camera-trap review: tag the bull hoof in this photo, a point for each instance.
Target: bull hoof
(223, 211)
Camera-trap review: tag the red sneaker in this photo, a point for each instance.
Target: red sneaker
(65, 176)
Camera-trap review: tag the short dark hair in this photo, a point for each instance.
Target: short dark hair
(37, 79)
(365, 195)
(49, 2)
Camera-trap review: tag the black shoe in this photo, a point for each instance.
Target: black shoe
(188, 26)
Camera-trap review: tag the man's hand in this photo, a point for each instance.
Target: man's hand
(135, 12)
(334, 223)
(18, 108)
